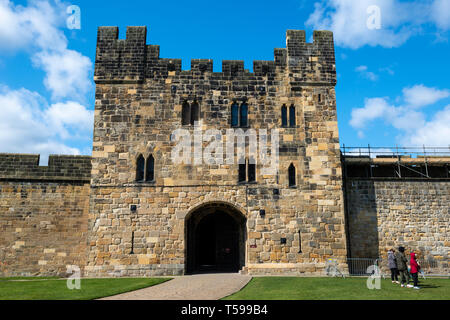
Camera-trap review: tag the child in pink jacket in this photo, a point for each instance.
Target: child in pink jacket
(414, 269)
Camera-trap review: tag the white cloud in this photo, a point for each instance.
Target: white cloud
(31, 27)
(388, 70)
(12, 32)
(419, 95)
(29, 125)
(37, 28)
(361, 134)
(28, 122)
(69, 115)
(435, 133)
(399, 20)
(364, 71)
(374, 108)
(441, 13)
(412, 125)
(361, 68)
(66, 73)
(406, 119)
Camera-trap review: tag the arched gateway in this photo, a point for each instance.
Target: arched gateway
(215, 235)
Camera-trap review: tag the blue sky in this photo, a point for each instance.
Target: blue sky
(393, 81)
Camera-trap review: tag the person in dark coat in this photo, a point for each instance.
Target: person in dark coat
(414, 269)
(392, 264)
(402, 266)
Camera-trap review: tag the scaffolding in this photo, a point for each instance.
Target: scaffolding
(405, 162)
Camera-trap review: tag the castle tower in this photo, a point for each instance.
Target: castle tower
(152, 215)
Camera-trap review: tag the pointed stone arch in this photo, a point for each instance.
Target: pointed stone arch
(215, 238)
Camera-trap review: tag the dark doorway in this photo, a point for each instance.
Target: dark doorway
(215, 241)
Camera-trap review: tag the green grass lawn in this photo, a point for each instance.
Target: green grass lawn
(53, 289)
(297, 288)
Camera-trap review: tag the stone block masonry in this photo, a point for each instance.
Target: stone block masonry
(388, 213)
(139, 103)
(43, 214)
(60, 168)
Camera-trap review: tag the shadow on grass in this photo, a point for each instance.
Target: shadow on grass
(428, 286)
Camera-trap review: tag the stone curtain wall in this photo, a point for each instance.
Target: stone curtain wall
(384, 214)
(139, 98)
(43, 214)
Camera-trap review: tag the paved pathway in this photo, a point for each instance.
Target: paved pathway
(195, 287)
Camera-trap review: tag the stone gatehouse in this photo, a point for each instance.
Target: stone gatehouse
(130, 210)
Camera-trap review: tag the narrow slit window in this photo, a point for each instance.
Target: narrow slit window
(195, 113)
(242, 171)
(132, 243)
(234, 115)
(244, 115)
(284, 121)
(292, 116)
(251, 171)
(292, 179)
(150, 169)
(299, 241)
(185, 114)
(140, 165)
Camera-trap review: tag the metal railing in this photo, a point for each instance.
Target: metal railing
(360, 267)
(404, 160)
(395, 152)
(431, 268)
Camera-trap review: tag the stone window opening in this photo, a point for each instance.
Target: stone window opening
(284, 120)
(299, 241)
(292, 120)
(150, 172)
(140, 168)
(292, 178)
(251, 170)
(195, 112)
(145, 169)
(239, 115)
(185, 114)
(132, 242)
(242, 174)
(244, 115)
(234, 115)
(190, 113)
(247, 171)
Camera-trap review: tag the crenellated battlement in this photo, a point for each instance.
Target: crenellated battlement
(60, 168)
(131, 60)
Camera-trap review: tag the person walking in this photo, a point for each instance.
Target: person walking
(414, 269)
(392, 264)
(402, 266)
